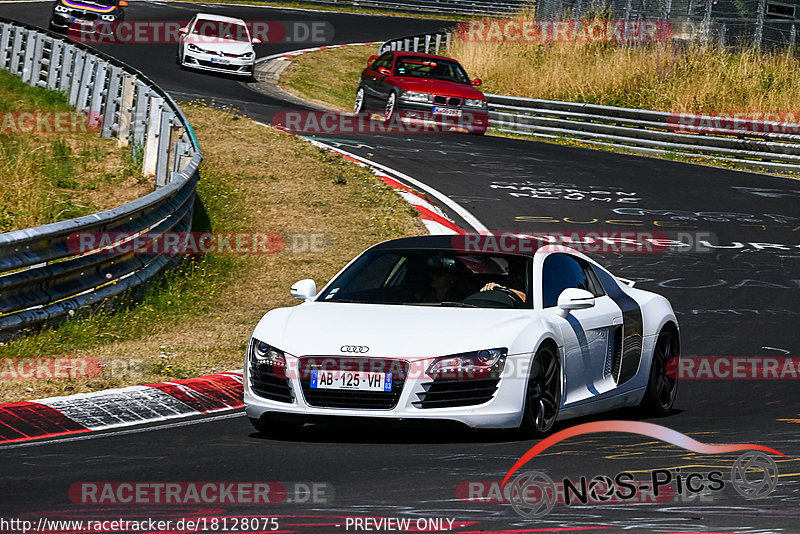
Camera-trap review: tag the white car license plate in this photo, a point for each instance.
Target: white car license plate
(355, 380)
(219, 60)
(447, 111)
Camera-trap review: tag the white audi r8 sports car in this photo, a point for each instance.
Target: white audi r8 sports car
(218, 44)
(436, 328)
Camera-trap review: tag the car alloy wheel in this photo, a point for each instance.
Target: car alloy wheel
(661, 387)
(543, 394)
(359, 105)
(390, 107)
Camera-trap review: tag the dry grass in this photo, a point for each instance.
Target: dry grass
(253, 179)
(310, 77)
(53, 177)
(663, 76)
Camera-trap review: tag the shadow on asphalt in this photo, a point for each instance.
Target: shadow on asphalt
(411, 432)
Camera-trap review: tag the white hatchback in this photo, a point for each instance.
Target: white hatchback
(216, 43)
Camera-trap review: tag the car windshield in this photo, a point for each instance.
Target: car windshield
(216, 29)
(434, 278)
(422, 67)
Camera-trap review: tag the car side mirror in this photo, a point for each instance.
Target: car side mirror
(304, 289)
(573, 298)
(477, 81)
(370, 60)
(123, 3)
(256, 40)
(384, 71)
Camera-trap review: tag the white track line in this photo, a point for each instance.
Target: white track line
(438, 195)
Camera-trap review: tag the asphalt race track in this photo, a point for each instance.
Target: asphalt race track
(736, 294)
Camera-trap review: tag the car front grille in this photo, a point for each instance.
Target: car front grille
(216, 65)
(447, 101)
(269, 384)
(344, 398)
(448, 393)
(83, 15)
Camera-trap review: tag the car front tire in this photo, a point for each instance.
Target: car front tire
(391, 103)
(543, 394)
(662, 388)
(358, 106)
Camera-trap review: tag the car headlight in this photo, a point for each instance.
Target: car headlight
(413, 96)
(475, 103)
(61, 9)
(246, 55)
(478, 364)
(108, 18)
(264, 354)
(194, 48)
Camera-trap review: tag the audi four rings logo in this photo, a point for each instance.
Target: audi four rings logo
(360, 349)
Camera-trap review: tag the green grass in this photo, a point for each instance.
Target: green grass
(50, 177)
(15, 95)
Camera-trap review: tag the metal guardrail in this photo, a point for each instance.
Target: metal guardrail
(637, 130)
(42, 278)
(477, 8)
(427, 43)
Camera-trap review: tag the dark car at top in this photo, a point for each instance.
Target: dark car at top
(423, 88)
(86, 15)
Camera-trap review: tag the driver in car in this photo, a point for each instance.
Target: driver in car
(514, 279)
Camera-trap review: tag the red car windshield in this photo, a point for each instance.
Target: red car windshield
(438, 69)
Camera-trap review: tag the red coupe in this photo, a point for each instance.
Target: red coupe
(422, 89)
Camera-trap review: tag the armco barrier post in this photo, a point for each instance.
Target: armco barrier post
(16, 49)
(139, 119)
(126, 109)
(163, 148)
(27, 58)
(5, 46)
(175, 134)
(56, 66)
(427, 42)
(86, 82)
(78, 64)
(153, 133)
(36, 64)
(98, 91)
(112, 102)
(438, 43)
(67, 67)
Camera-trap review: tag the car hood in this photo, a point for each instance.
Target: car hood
(220, 45)
(439, 87)
(98, 7)
(407, 332)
